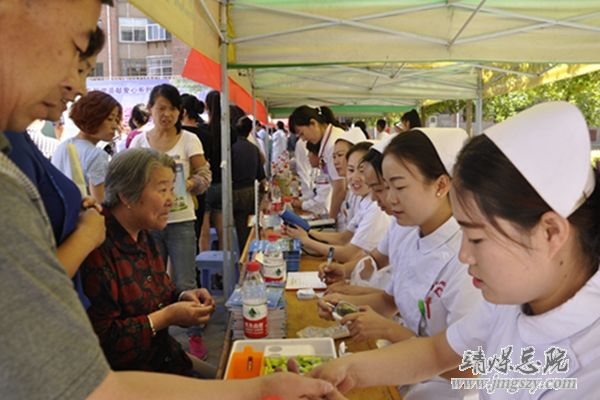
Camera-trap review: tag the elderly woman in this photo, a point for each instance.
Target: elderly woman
(133, 298)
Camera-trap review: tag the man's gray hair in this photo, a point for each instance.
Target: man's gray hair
(129, 173)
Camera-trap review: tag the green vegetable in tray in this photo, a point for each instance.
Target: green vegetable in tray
(298, 364)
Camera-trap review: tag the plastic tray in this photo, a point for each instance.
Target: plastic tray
(323, 347)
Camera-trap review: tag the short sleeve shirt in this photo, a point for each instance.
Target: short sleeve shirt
(368, 225)
(94, 161)
(186, 147)
(326, 151)
(41, 314)
(428, 269)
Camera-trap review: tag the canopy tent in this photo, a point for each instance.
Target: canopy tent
(382, 53)
(385, 52)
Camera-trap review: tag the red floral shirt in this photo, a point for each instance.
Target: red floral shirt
(125, 281)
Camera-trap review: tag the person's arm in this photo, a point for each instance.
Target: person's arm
(343, 252)
(367, 324)
(330, 237)
(379, 301)
(88, 235)
(407, 362)
(97, 192)
(200, 175)
(381, 259)
(153, 386)
(338, 188)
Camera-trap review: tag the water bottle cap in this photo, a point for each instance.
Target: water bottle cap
(273, 237)
(253, 266)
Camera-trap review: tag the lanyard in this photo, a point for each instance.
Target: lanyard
(327, 134)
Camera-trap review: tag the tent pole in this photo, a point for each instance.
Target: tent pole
(479, 104)
(226, 200)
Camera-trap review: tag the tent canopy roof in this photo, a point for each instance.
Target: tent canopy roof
(389, 52)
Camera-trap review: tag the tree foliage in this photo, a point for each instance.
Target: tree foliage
(583, 91)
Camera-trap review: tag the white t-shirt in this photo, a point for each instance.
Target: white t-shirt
(573, 326)
(389, 245)
(186, 147)
(369, 224)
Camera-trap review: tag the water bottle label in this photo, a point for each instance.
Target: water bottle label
(255, 321)
(273, 272)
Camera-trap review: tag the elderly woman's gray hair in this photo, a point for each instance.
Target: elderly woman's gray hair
(129, 173)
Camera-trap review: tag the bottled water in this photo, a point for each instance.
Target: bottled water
(254, 297)
(273, 263)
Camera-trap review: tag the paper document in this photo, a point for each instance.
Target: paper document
(304, 280)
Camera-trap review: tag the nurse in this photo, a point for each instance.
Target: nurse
(366, 228)
(319, 125)
(531, 234)
(351, 202)
(430, 287)
(371, 271)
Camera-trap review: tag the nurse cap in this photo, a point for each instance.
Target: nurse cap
(380, 145)
(447, 143)
(353, 136)
(550, 146)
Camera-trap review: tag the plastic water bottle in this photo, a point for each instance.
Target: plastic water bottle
(273, 263)
(254, 297)
(276, 197)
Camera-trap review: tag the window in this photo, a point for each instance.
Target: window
(156, 33)
(132, 30)
(159, 66)
(99, 70)
(133, 67)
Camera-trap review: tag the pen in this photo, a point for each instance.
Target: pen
(330, 255)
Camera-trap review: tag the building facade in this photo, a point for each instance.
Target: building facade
(137, 46)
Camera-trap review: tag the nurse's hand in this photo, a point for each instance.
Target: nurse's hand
(338, 372)
(295, 232)
(326, 305)
(331, 273)
(367, 324)
(289, 386)
(297, 203)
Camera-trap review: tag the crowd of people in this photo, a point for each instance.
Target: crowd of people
(447, 244)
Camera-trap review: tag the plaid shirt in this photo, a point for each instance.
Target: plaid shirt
(125, 281)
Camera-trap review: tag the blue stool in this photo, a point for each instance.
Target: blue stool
(209, 267)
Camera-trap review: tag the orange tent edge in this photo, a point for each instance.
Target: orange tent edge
(202, 69)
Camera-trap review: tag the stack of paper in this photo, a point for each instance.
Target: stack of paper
(276, 317)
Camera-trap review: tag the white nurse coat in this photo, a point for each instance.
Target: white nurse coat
(427, 268)
(573, 326)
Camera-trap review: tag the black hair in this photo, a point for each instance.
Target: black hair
(291, 124)
(302, 115)
(108, 2)
(243, 126)
(170, 93)
(139, 115)
(363, 147)
(415, 147)
(381, 124)
(374, 158)
(501, 191)
(97, 39)
(280, 125)
(413, 119)
(363, 127)
(313, 147)
(192, 106)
